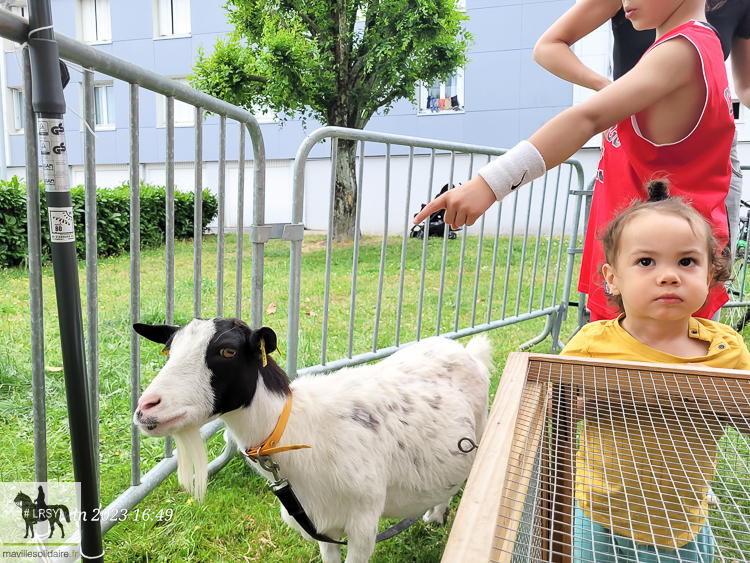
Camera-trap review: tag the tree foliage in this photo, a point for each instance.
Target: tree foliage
(337, 61)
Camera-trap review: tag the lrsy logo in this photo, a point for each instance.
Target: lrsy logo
(57, 149)
(57, 129)
(39, 511)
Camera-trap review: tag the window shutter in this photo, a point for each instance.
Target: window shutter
(18, 108)
(103, 22)
(21, 108)
(183, 113)
(165, 17)
(110, 91)
(99, 105)
(88, 21)
(181, 16)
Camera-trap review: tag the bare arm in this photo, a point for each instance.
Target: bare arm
(741, 69)
(663, 70)
(553, 52)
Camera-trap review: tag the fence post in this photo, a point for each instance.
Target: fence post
(240, 224)
(259, 218)
(92, 286)
(198, 213)
(35, 279)
(49, 104)
(220, 230)
(135, 285)
(169, 234)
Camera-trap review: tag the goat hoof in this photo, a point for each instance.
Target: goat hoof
(437, 514)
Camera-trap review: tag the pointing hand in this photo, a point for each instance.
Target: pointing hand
(463, 205)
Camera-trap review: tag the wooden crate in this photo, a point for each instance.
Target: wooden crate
(517, 505)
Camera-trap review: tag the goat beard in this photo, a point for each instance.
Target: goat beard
(192, 459)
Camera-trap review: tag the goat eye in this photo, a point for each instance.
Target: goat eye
(165, 352)
(227, 352)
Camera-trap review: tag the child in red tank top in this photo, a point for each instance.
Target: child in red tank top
(669, 115)
(697, 166)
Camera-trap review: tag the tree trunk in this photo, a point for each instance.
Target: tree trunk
(345, 202)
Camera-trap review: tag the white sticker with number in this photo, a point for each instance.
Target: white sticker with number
(54, 160)
(61, 224)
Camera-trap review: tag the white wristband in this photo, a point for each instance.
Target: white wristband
(520, 165)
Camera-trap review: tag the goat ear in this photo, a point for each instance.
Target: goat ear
(267, 335)
(156, 333)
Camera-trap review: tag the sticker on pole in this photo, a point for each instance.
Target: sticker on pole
(54, 157)
(61, 224)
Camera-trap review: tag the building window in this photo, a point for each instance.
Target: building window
(19, 8)
(184, 114)
(442, 97)
(171, 17)
(95, 26)
(104, 106)
(18, 107)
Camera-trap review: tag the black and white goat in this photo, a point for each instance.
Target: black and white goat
(384, 437)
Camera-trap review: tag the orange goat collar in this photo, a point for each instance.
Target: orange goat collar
(268, 446)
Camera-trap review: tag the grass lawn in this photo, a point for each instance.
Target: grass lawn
(239, 519)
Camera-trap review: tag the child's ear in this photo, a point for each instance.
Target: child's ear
(609, 276)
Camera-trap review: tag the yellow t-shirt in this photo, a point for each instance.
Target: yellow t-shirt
(633, 475)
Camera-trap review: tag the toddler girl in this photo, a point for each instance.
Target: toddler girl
(640, 493)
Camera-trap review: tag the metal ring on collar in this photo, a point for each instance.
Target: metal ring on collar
(470, 448)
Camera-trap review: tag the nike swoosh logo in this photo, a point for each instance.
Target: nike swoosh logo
(519, 182)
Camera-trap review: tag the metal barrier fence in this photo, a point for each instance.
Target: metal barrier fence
(90, 59)
(506, 303)
(529, 287)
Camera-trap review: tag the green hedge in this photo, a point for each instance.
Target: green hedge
(113, 219)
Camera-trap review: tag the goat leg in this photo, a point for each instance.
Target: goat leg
(361, 531)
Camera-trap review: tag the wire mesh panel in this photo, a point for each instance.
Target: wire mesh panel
(609, 462)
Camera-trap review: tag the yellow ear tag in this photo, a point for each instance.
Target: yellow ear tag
(165, 352)
(263, 352)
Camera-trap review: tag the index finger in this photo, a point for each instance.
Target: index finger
(430, 208)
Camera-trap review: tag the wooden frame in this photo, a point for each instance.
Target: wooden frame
(489, 504)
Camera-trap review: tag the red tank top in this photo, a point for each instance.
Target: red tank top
(698, 168)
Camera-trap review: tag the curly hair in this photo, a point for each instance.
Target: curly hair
(660, 201)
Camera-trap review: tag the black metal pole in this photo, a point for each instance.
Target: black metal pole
(49, 105)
